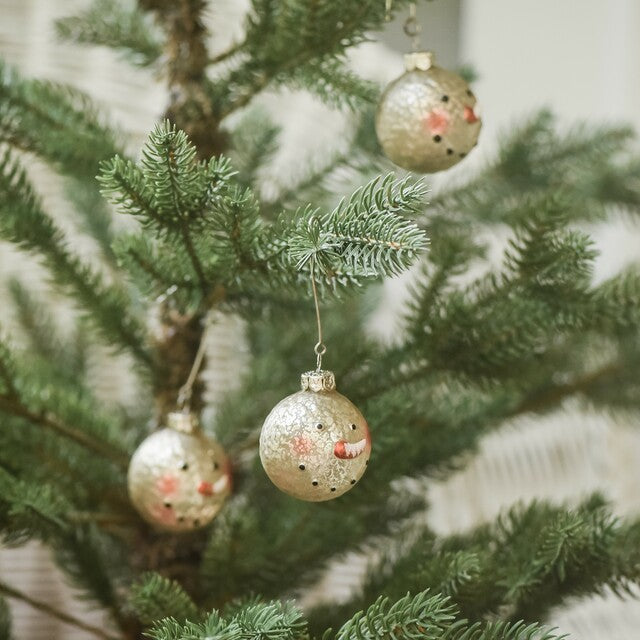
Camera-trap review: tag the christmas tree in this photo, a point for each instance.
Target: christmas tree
(202, 242)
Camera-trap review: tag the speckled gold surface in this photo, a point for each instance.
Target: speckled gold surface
(178, 481)
(403, 119)
(315, 445)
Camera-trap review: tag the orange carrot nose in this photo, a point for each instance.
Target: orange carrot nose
(469, 115)
(205, 488)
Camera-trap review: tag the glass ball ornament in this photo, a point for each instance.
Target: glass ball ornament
(315, 444)
(426, 119)
(179, 478)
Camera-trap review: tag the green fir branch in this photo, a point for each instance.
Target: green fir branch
(23, 222)
(55, 408)
(116, 24)
(592, 166)
(298, 42)
(38, 605)
(413, 617)
(67, 357)
(57, 123)
(366, 235)
(30, 509)
(333, 83)
(154, 597)
(267, 621)
(5, 620)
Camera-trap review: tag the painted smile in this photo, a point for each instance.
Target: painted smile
(209, 489)
(347, 450)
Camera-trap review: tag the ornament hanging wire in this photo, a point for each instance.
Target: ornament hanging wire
(320, 349)
(186, 390)
(387, 10)
(412, 28)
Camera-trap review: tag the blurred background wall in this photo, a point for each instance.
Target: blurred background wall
(579, 57)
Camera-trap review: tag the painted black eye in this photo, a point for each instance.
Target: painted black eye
(180, 518)
(353, 482)
(437, 138)
(184, 466)
(445, 98)
(318, 426)
(167, 505)
(470, 93)
(215, 466)
(333, 488)
(196, 523)
(315, 483)
(449, 152)
(353, 427)
(367, 462)
(301, 467)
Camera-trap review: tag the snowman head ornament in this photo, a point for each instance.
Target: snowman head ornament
(315, 444)
(178, 477)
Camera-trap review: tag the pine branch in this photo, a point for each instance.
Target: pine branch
(227, 53)
(504, 631)
(297, 41)
(410, 617)
(27, 398)
(11, 592)
(65, 357)
(333, 83)
(506, 319)
(5, 620)
(7, 371)
(119, 25)
(365, 235)
(431, 616)
(31, 508)
(23, 222)
(95, 216)
(97, 565)
(253, 143)
(156, 267)
(171, 192)
(267, 621)
(153, 597)
(16, 408)
(550, 397)
(59, 124)
(591, 166)
(530, 559)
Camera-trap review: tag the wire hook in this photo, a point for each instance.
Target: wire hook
(320, 348)
(186, 390)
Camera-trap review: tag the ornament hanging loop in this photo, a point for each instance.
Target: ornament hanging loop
(412, 28)
(320, 348)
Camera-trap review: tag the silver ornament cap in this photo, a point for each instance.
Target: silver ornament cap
(315, 444)
(318, 381)
(426, 119)
(178, 477)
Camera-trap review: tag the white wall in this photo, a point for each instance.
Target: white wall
(581, 57)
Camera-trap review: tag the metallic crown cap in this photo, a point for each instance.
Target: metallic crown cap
(183, 422)
(419, 60)
(318, 381)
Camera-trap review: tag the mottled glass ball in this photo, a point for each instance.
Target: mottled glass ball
(178, 477)
(315, 444)
(426, 119)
